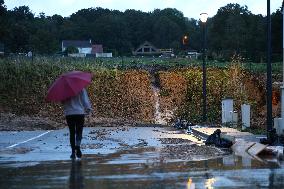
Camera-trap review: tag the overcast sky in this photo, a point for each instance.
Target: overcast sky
(190, 8)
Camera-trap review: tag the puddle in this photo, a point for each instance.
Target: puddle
(146, 168)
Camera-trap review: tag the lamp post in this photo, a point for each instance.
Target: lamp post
(269, 77)
(282, 88)
(203, 19)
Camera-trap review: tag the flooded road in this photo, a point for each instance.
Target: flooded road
(129, 158)
(112, 172)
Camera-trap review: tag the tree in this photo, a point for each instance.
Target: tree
(139, 25)
(3, 21)
(232, 30)
(277, 33)
(165, 32)
(71, 50)
(3, 8)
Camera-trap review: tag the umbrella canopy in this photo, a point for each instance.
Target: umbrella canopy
(68, 85)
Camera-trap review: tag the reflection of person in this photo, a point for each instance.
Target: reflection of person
(75, 110)
(76, 179)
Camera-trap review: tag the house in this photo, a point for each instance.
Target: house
(1, 49)
(97, 49)
(103, 55)
(167, 53)
(146, 49)
(193, 54)
(84, 47)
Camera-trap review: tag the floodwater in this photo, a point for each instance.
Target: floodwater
(117, 171)
(117, 158)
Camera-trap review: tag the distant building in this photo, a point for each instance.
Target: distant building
(166, 51)
(84, 47)
(146, 49)
(193, 54)
(103, 55)
(97, 49)
(1, 49)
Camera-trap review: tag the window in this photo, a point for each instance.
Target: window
(146, 49)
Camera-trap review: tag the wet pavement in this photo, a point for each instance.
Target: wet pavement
(128, 158)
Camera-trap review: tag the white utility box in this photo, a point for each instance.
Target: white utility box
(245, 116)
(279, 126)
(227, 110)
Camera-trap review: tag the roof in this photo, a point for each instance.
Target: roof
(77, 43)
(145, 44)
(151, 49)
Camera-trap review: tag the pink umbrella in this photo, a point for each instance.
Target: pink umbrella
(68, 85)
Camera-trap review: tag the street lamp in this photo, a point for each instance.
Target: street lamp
(203, 19)
(185, 40)
(269, 77)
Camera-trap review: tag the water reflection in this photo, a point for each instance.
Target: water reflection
(209, 183)
(107, 172)
(190, 184)
(76, 179)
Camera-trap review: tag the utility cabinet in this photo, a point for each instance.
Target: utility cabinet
(245, 116)
(227, 110)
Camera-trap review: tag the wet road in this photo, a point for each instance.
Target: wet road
(125, 158)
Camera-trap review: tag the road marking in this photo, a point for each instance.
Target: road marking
(12, 146)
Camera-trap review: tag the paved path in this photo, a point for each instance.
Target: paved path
(54, 144)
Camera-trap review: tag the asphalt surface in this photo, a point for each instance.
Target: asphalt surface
(54, 144)
(141, 157)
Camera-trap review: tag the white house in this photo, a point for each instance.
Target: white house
(104, 55)
(84, 47)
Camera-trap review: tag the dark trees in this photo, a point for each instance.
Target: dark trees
(234, 29)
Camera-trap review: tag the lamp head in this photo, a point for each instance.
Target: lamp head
(203, 17)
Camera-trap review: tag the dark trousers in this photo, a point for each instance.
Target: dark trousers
(75, 124)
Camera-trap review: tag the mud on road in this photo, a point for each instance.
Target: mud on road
(167, 142)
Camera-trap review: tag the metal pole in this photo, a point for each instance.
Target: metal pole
(204, 74)
(269, 76)
(282, 87)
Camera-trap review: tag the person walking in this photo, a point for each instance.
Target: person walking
(75, 109)
(69, 90)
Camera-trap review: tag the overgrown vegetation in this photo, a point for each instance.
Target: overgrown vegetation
(185, 91)
(123, 90)
(114, 93)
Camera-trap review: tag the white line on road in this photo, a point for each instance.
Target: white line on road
(12, 146)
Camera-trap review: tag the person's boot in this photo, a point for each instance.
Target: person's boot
(72, 156)
(78, 152)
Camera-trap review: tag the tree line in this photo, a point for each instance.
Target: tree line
(234, 29)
